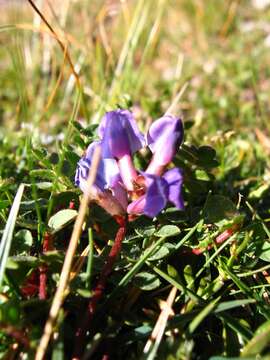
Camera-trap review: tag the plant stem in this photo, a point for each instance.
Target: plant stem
(47, 245)
(99, 289)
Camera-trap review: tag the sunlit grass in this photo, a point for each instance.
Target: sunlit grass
(59, 73)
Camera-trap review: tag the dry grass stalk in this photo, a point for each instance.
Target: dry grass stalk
(161, 323)
(172, 110)
(65, 273)
(60, 42)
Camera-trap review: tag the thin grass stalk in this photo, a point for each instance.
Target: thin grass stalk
(62, 46)
(150, 43)
(65, 273)
(152, 345)
(125, 52)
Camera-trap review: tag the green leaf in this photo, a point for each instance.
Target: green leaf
(44, 185)
(62, 218)
(258, 192)
(146, 231)
(14, 262)
(227, 305)
(172, 271)
(10, 312)
(167, 231)
(202, 315)
(138, 265)
(11, 264)
(84, 293)
(188, 275)
(162, 252)
(265, 252)
(231, 358)
(31, 204)
(206, 152)
(54, 259)
(146, 281)
(4, 204)
(207, 157)
(23, 240)
(218, 207)
(43, 174)
(66, 168)
(259, 342)
(54, 158)
(72, 157)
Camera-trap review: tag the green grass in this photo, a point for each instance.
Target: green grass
(138, 55)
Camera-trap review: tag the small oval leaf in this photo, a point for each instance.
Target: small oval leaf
(62, 218)
(168, 230)
(146, 281)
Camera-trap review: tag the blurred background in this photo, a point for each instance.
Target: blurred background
(139, 52)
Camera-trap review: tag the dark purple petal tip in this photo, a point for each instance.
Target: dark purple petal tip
(155, 198)
(164, 138)
(119, 134)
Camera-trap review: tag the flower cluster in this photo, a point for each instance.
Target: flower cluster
(119, 188)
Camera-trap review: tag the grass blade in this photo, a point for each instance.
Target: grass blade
(261, 339)
(8, 232)
(202, 315)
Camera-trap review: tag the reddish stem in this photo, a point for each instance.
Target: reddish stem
(105, 357)
(47, 245)
(99, 289)
(218, 240)
(31, 285)
(71, 205)
(42, 293)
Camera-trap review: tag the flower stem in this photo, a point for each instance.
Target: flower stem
(47, 245)
(99, 289)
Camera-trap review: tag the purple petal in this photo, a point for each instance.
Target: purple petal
(164, 138)
(109, 203)
(106, 173)
(159, 190)
(156, 195)
(174, 178)
(120, 134)
(155, 198)
(107, 190)
(127, 171)
(136, 206)
(118, 191)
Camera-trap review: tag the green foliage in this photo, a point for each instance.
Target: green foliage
(216, 253)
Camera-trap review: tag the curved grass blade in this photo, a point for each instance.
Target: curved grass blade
(259, 342)
(8, 232)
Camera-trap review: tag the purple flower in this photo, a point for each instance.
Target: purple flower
(120, 138)
(120, 134)
(108, 189)
(159, 190)
(164, 138)
(117, 180)
(174, 177)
